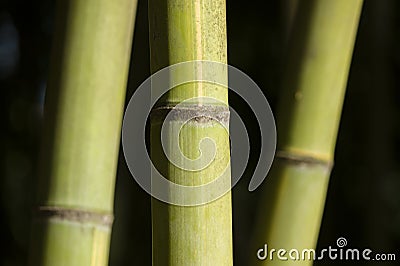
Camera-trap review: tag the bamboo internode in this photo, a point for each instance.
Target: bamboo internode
(319, 57)
(196, 235)
(82, 119)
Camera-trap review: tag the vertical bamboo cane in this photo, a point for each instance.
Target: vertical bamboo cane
(308, 119)
(289, 8)
(83, 114)
(184, 30)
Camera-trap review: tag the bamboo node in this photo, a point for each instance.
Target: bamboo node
(66, 214)
(196, 113)
(307, 160)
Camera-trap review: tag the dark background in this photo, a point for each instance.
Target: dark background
(363, 202)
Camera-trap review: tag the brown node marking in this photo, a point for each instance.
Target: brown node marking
(66, 214)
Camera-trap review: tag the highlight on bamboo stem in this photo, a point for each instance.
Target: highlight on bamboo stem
(184, 31)
(319, 57)
(83, 115)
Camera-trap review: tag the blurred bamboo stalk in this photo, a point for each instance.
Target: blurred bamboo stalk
(83, 114)
(319, 58)
(183, 30)
(289, 9)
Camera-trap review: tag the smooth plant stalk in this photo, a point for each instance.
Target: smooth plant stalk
(83, 115)
(319, 58)
(289, 8)
(185, 30)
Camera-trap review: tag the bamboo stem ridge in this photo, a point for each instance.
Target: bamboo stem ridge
(83, 116)
(319, 58)
(183, 30)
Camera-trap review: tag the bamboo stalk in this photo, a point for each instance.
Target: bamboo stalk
(183, 30)
(83, 114)
(289, 8)
(307, 122)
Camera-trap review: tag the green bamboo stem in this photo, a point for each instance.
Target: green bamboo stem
(83, 114)
(183, 30)
(308, 118)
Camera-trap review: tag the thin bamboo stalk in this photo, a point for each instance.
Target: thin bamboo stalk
(183, 30)
(289, 8)
(83, 114)
(307, 121)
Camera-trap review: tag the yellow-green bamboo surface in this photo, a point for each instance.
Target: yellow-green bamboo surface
(83, 114)
(184, 30)
(319, 58)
